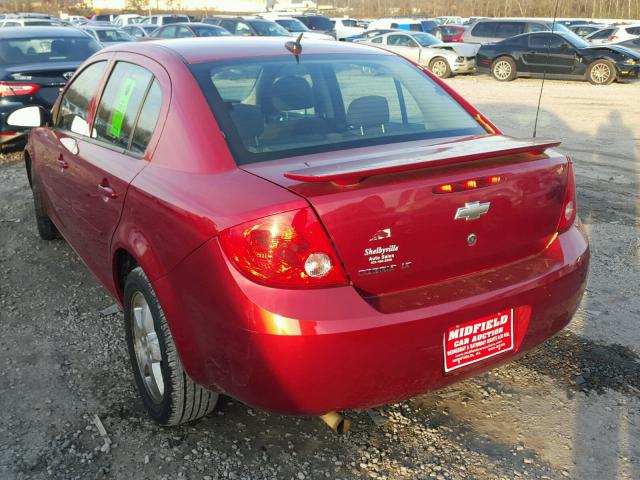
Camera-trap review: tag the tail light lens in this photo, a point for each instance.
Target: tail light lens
(569, 205)
(611, 38)
(288, 249)
(15, 89)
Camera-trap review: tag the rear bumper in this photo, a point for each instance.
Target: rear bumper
(312, 351)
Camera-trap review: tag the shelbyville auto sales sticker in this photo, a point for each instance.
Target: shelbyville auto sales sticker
(479, 339)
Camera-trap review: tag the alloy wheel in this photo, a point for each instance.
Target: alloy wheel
(600, 73)
(439, 68)
(502, 70)
(147, 347)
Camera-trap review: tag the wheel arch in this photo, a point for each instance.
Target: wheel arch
(27, 166)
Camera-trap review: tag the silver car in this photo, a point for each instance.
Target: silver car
(443, 59)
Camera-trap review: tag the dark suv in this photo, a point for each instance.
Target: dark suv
(494, 30)
(318, 23)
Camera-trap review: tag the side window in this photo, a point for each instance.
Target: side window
(168, 32)
(509, 29)
(228, 25)
(537, 27)
(399, 40)
(74, 106)
(484, 29)
(184, 32)
(120, 104)
(243, 29)
(147, 119)
(634, 30)
(539, 41)
(377, 40)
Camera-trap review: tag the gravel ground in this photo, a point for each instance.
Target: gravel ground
(567, 410)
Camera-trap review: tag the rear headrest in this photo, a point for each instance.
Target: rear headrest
(369, 111)
(291, 93)
(249, 122)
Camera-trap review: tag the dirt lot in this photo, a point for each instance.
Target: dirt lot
(568, 410)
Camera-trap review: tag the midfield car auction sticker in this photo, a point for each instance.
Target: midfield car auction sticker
(477, 340)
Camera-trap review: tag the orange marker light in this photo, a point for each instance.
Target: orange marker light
(446, 188)
(494, 180)
(471, 184)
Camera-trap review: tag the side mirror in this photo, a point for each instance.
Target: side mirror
(29, 117)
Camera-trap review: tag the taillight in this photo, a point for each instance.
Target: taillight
(611, 38)
(288, 249)
(569, 204)
(14, 89)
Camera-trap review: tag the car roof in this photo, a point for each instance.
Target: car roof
(100, 27)
(40, 32)
(197, 50)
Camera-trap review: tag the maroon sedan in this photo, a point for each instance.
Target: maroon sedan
(304, 229)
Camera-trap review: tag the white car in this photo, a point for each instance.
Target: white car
(127, 19)
(443, 59)
(296, 27)
(614, 34)
(346, 27)
(30, 22)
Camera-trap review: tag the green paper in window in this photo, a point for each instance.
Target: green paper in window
(121, 107)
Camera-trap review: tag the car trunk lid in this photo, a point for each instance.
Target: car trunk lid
(49, 76)
(395, 227)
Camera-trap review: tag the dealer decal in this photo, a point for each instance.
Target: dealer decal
(381, 254)
(121, 107)
(477, 340)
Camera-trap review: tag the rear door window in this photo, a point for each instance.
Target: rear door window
(120, 104)
(167, 32)
(184, 32)
(73, 114)
(509, 29)
(484, 29)
(147, 120)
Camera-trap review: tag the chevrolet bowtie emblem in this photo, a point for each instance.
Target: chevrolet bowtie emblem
(472, 211)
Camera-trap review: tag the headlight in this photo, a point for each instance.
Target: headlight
(629, 61)
(459, 59)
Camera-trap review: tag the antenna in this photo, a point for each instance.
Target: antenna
(544, 74)
(295, 47)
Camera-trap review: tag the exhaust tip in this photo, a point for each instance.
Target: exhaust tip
(336, 422)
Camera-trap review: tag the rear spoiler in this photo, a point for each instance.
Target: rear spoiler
(476, 148)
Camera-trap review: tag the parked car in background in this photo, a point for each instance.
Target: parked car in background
(165, 19)
(369, 34)
(393, 23)
(34, 63)
(187, 30)
(320, 216)
(633, 44)
(557, 55)
(317, 23)
(495, 30)
(346, 27)
(139, 30)
(127, 19)
(583, 30)
(449, 20)
(614, 34)
(442, 59)
(103, 17)
(107, 36)
(296, 27)
(248, 26)
(449, 33)
(30, 22)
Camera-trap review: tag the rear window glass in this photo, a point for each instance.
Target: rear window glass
(36, 50)
(484, 29)
(113, 36)
(174, 19)
(273, 107)
(318, 23)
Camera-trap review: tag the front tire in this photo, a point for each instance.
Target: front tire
(601, 72)
(168, 394)
(440, 67)
(504, 69)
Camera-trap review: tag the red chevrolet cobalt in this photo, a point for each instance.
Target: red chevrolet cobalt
(306, 227)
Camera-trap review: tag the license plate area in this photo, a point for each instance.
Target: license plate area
(478, 340)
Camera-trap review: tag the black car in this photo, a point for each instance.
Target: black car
(557, 55)
(317, 23)
(633, 44)
(248, 26)
(187, 30)
(35, 62)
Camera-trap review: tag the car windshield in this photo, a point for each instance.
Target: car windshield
(292, 25)
(52, 49)
(274, 107)
(269, 29)
(426, 39)
(210, 31)
(106, 36)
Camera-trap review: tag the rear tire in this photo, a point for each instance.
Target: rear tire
(440, 67)
(46, 229)
(168, 394)
(504, 69)
(601, 72)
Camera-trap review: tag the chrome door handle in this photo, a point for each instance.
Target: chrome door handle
(106, 191)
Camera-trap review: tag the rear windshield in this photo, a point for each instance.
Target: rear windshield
(113, 36)
(273, 107)
(269, 29)
(35, 50)
(168, 20)
(319, 23)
